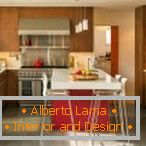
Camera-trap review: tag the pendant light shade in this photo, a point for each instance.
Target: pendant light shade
(85, 24)
(80, 26)
(82, 21)
(76, 28)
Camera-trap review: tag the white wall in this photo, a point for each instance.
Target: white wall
(126, 22)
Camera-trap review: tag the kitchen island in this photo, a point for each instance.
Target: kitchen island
(60, 81)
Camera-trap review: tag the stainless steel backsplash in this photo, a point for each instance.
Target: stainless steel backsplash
(54, 57)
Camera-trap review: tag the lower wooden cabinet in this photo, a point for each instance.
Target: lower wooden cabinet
(12, 83)
(9, 83)
(3, 83)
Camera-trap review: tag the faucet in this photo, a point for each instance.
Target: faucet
(88, 63)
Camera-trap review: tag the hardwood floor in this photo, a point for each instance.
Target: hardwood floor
(142, 142)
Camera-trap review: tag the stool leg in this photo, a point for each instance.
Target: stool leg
(91, 105)
(121, 117)
(94, 119)
(126, 119)
(72, 119)
(90, 118)
(44, 118)
(97, 105)
(116, 114)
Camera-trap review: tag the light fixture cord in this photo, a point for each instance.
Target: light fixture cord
(84, 8)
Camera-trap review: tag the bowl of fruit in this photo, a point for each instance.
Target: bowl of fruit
(83, 74)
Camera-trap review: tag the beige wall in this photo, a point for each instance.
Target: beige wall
(126, 22)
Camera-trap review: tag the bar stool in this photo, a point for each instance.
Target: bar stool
(122, 105)
(47, 92)
(118, 77)
(110, 93)
(64, 93)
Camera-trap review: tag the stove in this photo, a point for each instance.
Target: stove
(33, 73)
(30, 81)
(44, 67)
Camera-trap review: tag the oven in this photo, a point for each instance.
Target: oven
(31, 87)
(30, 84)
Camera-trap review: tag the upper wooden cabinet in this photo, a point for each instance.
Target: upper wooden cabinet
(10, 17)
(9, 40)
(80, 42)
(83, 41)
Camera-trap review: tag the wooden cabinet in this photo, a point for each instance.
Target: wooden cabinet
(9, 40)
(9, 24)
(3, 82)
(12, 82)
(140, 51)
(9, 83)
(83, 41)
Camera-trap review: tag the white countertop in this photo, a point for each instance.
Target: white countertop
(2, 69)
(60, 80)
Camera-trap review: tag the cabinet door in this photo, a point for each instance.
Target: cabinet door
(3, 82)
(9, 40)
(12, 83)
(3, 88)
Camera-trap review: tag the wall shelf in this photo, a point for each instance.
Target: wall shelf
(43, 41)
(44, 32)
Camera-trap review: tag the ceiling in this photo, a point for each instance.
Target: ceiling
(110, 4)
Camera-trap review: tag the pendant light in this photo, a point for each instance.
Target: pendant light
(76, 25)
(80, 27)
(82, 22)
(85, 20)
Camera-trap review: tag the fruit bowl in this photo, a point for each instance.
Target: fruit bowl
(83, 77)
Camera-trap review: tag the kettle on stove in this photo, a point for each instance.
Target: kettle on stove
(38, 63)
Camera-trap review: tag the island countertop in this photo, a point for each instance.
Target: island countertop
(60, 80)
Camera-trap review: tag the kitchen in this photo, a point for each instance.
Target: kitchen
(27, 48)
(31, 51)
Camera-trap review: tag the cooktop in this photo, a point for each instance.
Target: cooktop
(45, 66)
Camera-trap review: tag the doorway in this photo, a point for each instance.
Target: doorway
(106, 42)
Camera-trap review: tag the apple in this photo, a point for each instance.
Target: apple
(78, 72)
